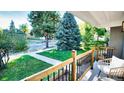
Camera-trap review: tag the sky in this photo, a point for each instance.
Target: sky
(19, 17)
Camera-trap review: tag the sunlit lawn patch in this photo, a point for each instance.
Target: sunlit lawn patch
(60, 55)
(22, 67)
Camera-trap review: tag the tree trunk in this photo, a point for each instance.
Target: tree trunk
(4, 58)
(47, 42)
(97, 38)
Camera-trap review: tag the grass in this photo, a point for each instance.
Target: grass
(60, 55)
(22, 67)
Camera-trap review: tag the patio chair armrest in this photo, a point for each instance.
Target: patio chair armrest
(106, 61)
(117, 72)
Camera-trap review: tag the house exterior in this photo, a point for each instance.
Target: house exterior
(111, 20)
(117, 41)
(84, 66)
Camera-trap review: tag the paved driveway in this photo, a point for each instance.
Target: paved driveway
(35, 45)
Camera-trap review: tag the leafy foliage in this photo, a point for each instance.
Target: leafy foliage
(24, 28)
(68, 34)
(92, 36)
(100, 31)
(15, 42)
(99, 43)
(5, 46)
(82, 28)
(19, 42)
(10, 40)
(5, 41)
(88, 37)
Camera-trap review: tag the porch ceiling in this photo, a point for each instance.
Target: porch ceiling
(101, 18)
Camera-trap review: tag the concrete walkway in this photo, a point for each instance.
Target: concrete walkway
(17, 55)
(45, 59)
(37, 56)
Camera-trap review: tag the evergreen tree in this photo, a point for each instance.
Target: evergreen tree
(68, 33)
(12, 27)
(44, 23)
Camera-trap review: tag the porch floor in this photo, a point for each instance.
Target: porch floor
(93, 75)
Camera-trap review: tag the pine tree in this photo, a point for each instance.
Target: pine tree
(12, 27)
(68, 33)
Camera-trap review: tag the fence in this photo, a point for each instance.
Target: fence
(72, 69)
(104, 52)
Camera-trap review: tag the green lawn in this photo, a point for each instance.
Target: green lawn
(22, 67)
(60, 55)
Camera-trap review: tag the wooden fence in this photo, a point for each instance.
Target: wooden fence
(104, 52)
(72, 69)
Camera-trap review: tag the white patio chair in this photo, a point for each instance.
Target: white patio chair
(113, 67)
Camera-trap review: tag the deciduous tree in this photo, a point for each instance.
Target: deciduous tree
(44, 23)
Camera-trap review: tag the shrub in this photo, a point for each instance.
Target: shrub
(5, 41)
(19, 42)
(10, 41)
(14, 42)
(5, 46)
